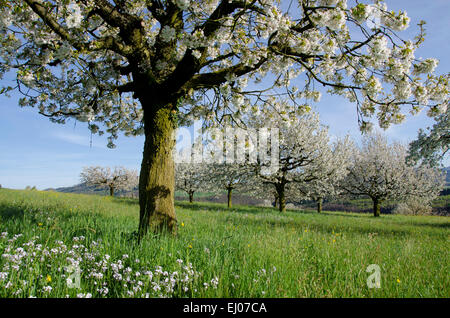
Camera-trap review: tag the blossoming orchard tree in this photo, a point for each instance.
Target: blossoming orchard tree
(379, 170)
(191, 178)
(230, 176)
(431, 147)
(304, 151)
(328, 174)
(265, 192)
(230, 154)
(138, 66)
(118, 179)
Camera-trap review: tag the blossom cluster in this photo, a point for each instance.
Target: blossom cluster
(69, 72)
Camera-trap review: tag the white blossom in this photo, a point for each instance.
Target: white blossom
(82, 60)
(167, 33)
(380, 171)
(74, 16)
(118, 179)
(426, 66)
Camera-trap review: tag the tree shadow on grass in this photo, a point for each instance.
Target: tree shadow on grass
(407, 222)
(221, 207)
(360, 215)
(328, 228)
(11, 212)
(365, 227)
(360, 228)
(445, 225)
(129, 201)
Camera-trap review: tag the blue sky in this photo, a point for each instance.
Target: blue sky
(36, 152)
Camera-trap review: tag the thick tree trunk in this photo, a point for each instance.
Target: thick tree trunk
(319, 205)
(376, 207)
(230, 190)
(276, 200)
(282, 202)
(157, 177)
(281, 197)
(111, 191)
(191, 196)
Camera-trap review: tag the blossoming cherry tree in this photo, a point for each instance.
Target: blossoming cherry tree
(118, 179)
(142, 67)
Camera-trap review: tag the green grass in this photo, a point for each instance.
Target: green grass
(197, 195)
(251, 251)
(442, 201)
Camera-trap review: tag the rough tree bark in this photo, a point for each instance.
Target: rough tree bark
(376, 207)
(319, 205)
(111, 191)
(281, 197)
(191, 196)
(157, 176)
(230, 190)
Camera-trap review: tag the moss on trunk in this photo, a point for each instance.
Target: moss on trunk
(157, 176)
(376, 207)
(230, 190)
(281, 197)
(319, 205)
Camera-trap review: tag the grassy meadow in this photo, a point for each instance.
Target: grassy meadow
(72, 245)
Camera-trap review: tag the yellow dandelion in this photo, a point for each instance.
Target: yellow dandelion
(48, 279)
(190, 246)
(40, 224)
(334, 241)
(182, 224)
(398, 280)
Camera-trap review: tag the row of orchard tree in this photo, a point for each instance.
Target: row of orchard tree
(313, 165)
(309, 164)
(142, 67)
